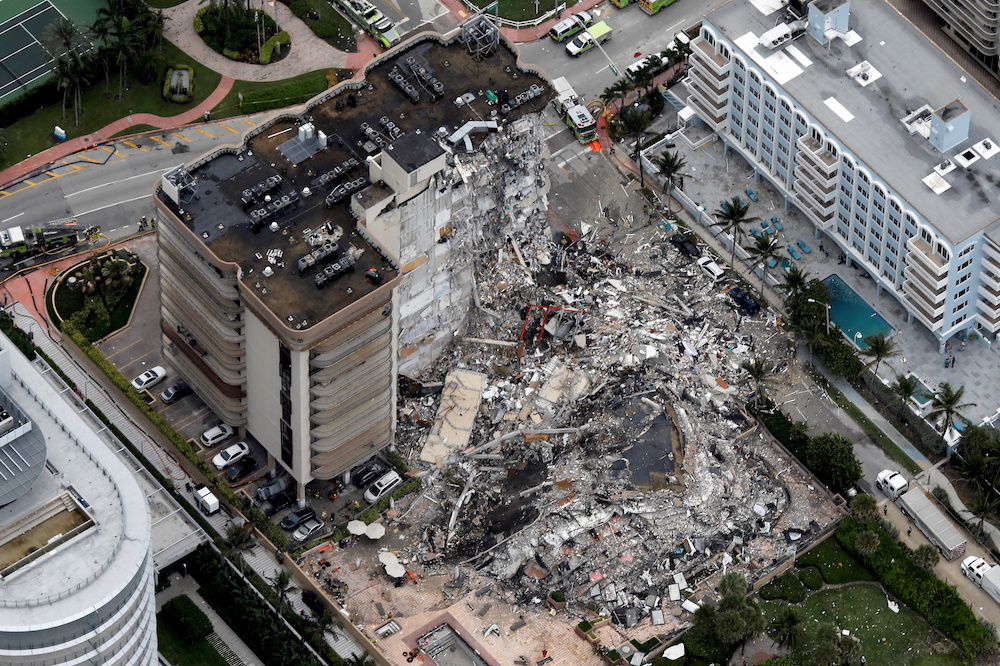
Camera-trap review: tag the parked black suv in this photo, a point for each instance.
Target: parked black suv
(312, 600)
(279, 502)
(367, 472)
(744, 301)
(240, 470)
(296, 518)
(684, 244)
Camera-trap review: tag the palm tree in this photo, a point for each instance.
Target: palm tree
(281, 584)
(758, 373)
(813, 333)
(79, 76)
(100, 33)
(633, 124)
(326, 623)
(616, 92)
(61, 39)
(788, 628)
(983, 505)
(765, 247)
(947, 403)
(732, 216)
(879, 349)
(236, 538)
(64, 81)
(864, 508)
(795, 283)
(906, 388)
(670, 166)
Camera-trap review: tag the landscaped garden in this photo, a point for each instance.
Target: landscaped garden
(326, 23)
(240, 33)
(181, 628)
(97, 296)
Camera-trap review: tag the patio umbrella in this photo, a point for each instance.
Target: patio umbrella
(356, 527)
(375, 531)
(388, 558)
(395, 570)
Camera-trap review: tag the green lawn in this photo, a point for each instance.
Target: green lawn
(901, 639)
(834, 563)
(230, 104)
(33, 134)
(343, 30)
(181, 652)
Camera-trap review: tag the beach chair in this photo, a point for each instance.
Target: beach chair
(765, 224)
(772, 262)
(795, 253)
(752, 195)
(805, 248)
(777, 224)
(786, 265)
(756, 232)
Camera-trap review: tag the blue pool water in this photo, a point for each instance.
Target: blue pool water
(852, 314)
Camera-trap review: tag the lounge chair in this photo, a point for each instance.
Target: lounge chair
(795, 253)
(777, 224)
(805, 248)
(772, 262)
(786, 265)
(752, 195)
(765, 224)
(756, 232)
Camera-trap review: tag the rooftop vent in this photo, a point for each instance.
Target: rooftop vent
(863, 73)
(919, 121)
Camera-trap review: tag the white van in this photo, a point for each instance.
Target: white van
(570, 26)
(633, 70)
(383, 486)
(711, 269)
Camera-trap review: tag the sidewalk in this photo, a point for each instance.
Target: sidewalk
(186, 585)
(38, 162)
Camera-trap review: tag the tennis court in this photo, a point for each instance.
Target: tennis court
(23, 60)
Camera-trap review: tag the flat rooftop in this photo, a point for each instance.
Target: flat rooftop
(219, 216)
(914, 73)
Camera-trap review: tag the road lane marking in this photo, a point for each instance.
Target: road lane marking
(114, 182)
(112, 205)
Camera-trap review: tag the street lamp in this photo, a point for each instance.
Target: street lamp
(813, 300)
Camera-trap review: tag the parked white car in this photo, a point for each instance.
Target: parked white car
(149, 378)
(231, 454)
(217, 435)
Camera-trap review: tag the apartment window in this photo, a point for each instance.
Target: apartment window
(876, 235)
(873, 247)
(845, 189)
(864, 177)
(770, 107)
(738, 92)
(782, 163)
(958, 307)
(784, 135)
(767, 134)
(963, 292)
(785, 121)
(863, 206)
(893, 235)
(964, 278)
(752, 121)
(892, 264)
(842, 232)
(925, 235)
(965, 264)
(962, 318)
(285, 375)
(878, 206)
(783, 148)
(967, 250)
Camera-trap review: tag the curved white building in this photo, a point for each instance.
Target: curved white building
(76, 571)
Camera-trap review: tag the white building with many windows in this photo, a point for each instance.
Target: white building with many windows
(875, 135)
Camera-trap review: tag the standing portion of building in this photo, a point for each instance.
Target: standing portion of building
(888, 149)
(280, 278)
(973, 24)
(76, 571)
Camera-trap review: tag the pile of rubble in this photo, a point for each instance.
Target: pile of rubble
(585, 433)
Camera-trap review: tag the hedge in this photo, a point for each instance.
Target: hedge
(267, 49)
(17, 335)
(232, 55)
(932, 598)
(276, 97)
(170, 95)
(199, 24)
(189, 620)
(252, 513)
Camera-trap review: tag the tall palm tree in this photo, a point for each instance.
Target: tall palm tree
(788, 628)
(759, 374)
(670, 166)
(646, 75)
(616, 92)
(795, 282)
(983, 505)
(325, 623)
(100, 33)
(813, 333)
(79, 76)
(947, 404)
(864, 508)
(906, 388)
(634, 124)
(765, 247)
(732, 216)
(281, 584)
(879, 349)
(62, 39)
(866, 542)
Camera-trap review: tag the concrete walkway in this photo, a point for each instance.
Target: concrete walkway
(37, 163)
(186, 585)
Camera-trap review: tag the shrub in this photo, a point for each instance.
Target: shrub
(232, 55)
(189, 620)
(324, 28)
(299, 7)
(786, 587)
(811, 577)
(888, 527)
(21, 339)
(331, 78)
(199, 20)
(934, 599)
(831, 457)
(278, 96)
(267, 50)
(585, 625)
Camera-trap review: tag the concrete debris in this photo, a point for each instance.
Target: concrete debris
(583, 400)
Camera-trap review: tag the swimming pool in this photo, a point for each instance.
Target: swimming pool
(852, 314)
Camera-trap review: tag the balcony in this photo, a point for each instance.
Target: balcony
(989, 318)
(702, 53)
(934, 297)
(820, 212)
(823, 192)
(825, 163)
(990, 295)
(713, 90)
(992, 252)
(713, 117)
(921, 256)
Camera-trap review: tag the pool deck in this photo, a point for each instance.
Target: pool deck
(711, 176)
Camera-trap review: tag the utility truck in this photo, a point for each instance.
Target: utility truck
(576, 115)
(20, 242)
(653, 6)
(589, 38)
(982, 574)
(914, 502)
(205, 499)
(371, 20)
